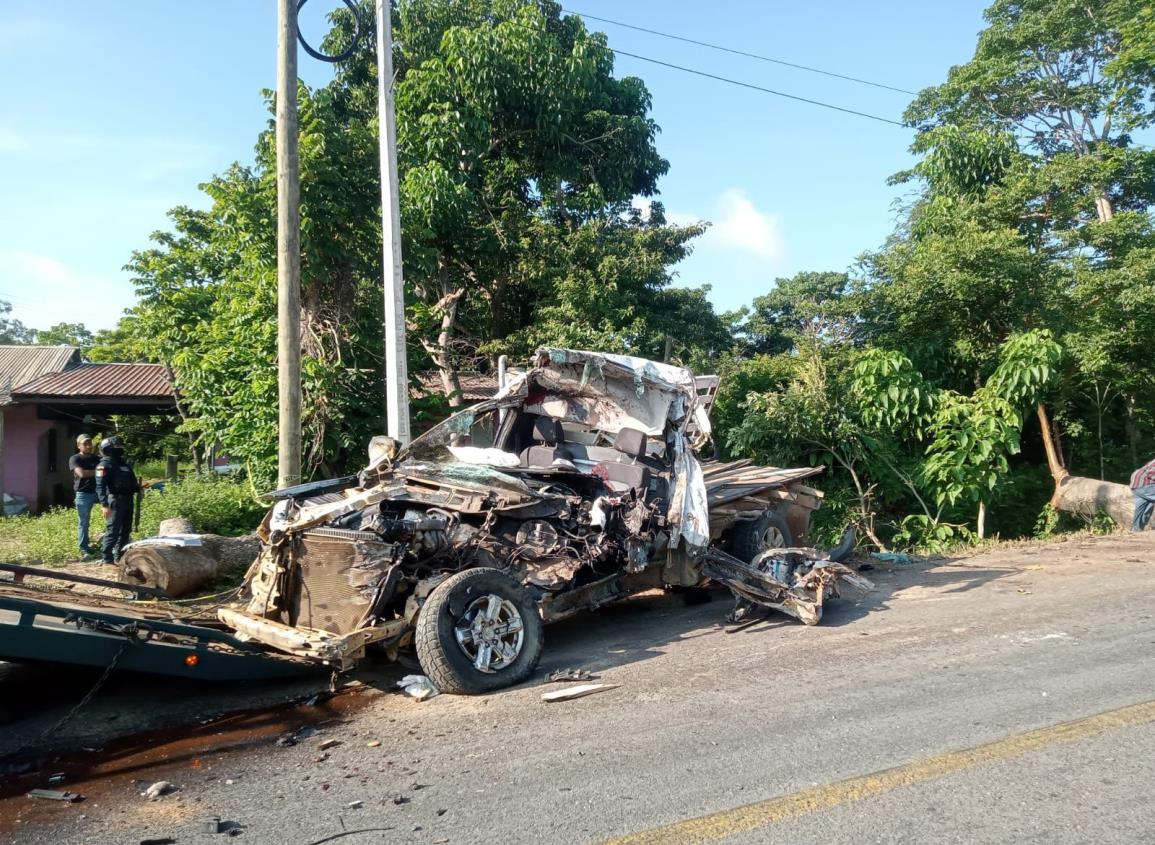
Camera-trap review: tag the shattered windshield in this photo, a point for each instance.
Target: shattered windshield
(471, 476)
(471, 437)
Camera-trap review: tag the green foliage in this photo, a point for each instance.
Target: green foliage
(13, 332)
(65, 334)
(917, 531)
(214, 506)
(890, 393)
(814, 306)
(1047, 522)
(520, 154)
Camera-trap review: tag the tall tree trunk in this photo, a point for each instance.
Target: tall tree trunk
(1085, 497)
(1132, 429)
(443, 356)
(198, 462)
(1104, 209)
(497, 322)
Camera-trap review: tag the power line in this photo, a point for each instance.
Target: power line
(737, 82)
(742, 53)
(757, 87)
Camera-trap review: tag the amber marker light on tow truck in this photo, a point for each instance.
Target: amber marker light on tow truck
(191, 660)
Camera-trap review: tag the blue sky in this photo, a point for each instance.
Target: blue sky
(113, 113)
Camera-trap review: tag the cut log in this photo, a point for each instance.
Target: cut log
(180, 570)
(176, 525)
(1090, 496)
(1081, 496)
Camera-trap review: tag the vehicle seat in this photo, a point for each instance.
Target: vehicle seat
(549, 437)
(626, 473)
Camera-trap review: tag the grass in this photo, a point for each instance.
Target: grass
(213, 505)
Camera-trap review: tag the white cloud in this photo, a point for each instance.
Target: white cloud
(741, 226)
(45, 291)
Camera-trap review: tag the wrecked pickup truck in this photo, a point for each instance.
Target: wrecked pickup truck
(576, 486)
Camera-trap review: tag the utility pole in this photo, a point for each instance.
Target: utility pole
(288, 252)
(396, 366)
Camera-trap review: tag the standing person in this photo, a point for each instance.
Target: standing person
(1143, 489)
(82, 465)
(116, 484)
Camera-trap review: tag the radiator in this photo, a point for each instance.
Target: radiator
(338, 573)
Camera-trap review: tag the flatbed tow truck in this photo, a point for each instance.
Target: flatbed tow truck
(154, 636)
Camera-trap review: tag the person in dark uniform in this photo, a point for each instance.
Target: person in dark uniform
(116, 485)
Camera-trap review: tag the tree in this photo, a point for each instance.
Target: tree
(815, 305)
(65, 334)
(1057, 74)
(12, 331)
(517, 145)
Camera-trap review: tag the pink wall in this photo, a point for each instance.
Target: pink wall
(22, 432)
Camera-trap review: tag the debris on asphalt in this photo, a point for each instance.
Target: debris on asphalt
(577, 692)
(893, 558)
(418, 686)
(162, 840)
(54, 795)
(443, 811)
(286, 741)
(211, 824)
(326, 744)
(161, 787)
(56, 778)
(355, 805)
(400, 799)
(373, 743)
(561, 675)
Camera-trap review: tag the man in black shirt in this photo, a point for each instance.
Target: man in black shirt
(116, 484)
(82, 465)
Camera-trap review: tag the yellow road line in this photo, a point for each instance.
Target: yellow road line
(716, 826)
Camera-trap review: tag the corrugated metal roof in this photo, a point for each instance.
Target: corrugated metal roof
(475, 387)
(105, 381)
(22, 364)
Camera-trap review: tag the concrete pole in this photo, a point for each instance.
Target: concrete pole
(396, 366)
(288, 252)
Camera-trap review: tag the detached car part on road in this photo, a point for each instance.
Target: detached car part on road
(576, 486)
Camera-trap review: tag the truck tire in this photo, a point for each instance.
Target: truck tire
(478, 631)
(751, 537)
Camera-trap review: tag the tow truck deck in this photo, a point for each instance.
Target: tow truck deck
(48, 625)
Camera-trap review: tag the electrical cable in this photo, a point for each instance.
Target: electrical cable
(757, 87)
(344, 54)
(730, 81)
(742, 53)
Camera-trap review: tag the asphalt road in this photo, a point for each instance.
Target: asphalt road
(1004, 697)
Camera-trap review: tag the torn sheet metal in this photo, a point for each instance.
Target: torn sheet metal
(688, 508)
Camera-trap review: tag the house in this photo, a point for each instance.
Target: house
(48, 395)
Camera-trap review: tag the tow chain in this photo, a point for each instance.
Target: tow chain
(132, 635)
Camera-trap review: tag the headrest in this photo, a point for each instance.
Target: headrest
(631, 442)
(548, 430)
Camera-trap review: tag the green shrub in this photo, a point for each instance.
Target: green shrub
(213, 505)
